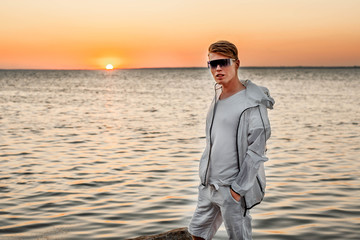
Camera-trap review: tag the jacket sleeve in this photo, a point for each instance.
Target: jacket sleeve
(258, 131)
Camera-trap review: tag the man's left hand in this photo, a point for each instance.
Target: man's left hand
(235, 195)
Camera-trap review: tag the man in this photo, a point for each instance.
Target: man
(231, 168)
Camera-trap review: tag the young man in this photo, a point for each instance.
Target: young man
(232, 166)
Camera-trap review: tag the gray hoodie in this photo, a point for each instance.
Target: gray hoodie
(252, 132)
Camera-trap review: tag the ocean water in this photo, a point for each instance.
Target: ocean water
(114, 154)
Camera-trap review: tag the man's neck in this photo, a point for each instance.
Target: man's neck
(231, 88)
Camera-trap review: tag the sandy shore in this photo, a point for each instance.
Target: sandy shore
(175, 234)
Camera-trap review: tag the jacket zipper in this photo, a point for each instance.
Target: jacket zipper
(237, 133)
(257, 178)
(208, 163)
(210, 129)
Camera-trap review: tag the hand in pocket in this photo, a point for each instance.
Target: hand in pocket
(235, 195)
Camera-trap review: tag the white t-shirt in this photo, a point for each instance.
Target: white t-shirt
(223, 160)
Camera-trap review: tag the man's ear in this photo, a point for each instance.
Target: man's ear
(237, 62)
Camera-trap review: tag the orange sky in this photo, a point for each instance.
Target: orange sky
(89, 34)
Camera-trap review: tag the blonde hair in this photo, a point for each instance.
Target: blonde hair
(225, 48)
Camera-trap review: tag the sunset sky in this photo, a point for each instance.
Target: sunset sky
(89, 34)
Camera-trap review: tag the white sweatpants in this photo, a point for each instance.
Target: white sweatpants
(215, 205)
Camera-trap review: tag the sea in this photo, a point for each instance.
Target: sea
(114, 154)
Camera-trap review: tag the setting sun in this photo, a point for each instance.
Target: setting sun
(109, 67)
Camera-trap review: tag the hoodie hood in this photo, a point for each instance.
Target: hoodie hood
(257, 95)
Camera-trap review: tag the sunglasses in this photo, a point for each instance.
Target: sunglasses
(220, 62)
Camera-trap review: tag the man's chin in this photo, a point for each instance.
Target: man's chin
(220, 81)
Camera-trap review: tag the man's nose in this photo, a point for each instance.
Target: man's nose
(218, 67)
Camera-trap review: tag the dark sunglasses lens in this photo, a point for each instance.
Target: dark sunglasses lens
(219, 62)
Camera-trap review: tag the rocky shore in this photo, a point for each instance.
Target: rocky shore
(175, 234)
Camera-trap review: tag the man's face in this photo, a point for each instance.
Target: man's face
(223, 74)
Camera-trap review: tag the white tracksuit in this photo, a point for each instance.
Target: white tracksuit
(236, 132)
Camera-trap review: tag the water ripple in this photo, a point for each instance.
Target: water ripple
(93, 155)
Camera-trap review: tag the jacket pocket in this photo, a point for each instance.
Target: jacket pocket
(255, 195)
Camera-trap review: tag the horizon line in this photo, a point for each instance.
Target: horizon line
(140, 68)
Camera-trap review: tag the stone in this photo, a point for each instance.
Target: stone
(175, 234)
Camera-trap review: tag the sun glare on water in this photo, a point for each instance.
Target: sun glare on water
(109, 67)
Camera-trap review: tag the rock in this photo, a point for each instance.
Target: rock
(176, 234)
